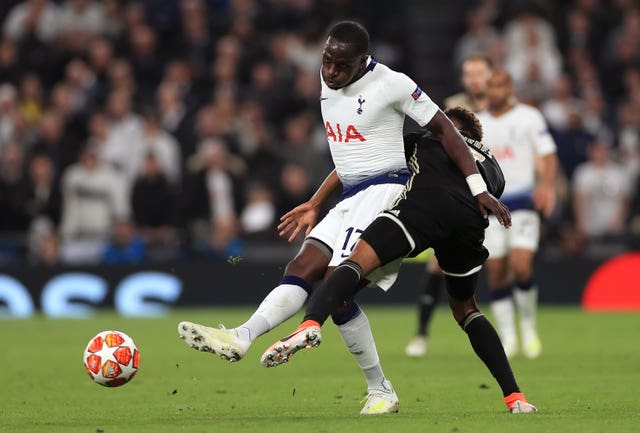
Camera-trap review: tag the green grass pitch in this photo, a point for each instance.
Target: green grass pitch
(587, 380)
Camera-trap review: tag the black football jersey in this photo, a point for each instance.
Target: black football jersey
(433, 168)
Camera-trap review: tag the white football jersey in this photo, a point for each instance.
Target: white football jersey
(516, 138)
(364, 122)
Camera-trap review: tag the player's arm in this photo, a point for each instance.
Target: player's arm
(546, 163)
(544, 197)
(306, 214)
(455, 146)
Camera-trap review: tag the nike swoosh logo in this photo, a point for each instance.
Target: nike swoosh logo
(322, 99)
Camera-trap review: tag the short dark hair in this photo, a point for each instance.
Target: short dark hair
(479, 57)
(353, 33)
(469, 124)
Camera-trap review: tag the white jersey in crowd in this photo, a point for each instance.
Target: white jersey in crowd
(364, 122)
(516, 138)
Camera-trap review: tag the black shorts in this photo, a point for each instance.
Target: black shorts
(434, 218)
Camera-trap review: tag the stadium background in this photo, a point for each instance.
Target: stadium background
(147, 148)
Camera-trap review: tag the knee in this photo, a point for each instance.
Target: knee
(460, 309)
(522, 272)
(308, 268)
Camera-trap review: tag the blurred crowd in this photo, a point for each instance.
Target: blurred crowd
(162, 130)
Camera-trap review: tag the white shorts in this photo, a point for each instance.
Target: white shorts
(524, 233)
(343, 224)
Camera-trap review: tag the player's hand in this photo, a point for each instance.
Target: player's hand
(544, 200)
(298, 218)
(488, 203)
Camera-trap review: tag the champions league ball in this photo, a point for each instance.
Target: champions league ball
(111, 358)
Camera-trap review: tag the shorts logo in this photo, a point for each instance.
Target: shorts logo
(416, 93)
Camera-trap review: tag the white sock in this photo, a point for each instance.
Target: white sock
(504, 315)
(527, 303)
(358, 337)
(280, 304)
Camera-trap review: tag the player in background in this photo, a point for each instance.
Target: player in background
(520, 140)
(437, 209)
(363, 105)
(476, 71)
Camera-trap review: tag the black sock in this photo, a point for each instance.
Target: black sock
(339, 288)
(429, 300)
(486, 343)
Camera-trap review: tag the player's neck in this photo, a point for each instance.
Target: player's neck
(499, 111)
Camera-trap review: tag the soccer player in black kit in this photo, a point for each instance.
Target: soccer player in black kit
(437, 209)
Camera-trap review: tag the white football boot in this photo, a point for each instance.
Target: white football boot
(380, 401)
(417, 347)
(220, 341)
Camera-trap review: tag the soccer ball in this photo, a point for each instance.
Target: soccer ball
(111, 358)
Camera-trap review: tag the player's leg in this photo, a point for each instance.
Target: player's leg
(524, 240)
(280, 304)
(484, 338)
(382, 242)
(427, 304)
(355, 330)
(500, 287)
(526, 299)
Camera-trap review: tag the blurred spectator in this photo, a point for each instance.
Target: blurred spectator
(259, 214)
(50, 140)
(73, 118)
(83, 85)
(297, 147)
(533, 59)
(152, 200)
(295, 188)
(94, 197)
(305, 92)
(476, 70)
(125, 245)
(9, 112)
(13, 212)
(145, 61)
(77, 21)
(10, 68)
(162, 145)
(31, 99)
(213, 188)
(224, 240)
(43, 243)
(601, 194)
(573, 141)
(120, 78)
(629, 136)
(176, 117)
(124, 132)
(562, 104)
(100, 56)
(32, 19)
(195, 43)
(43, 198)
(478, 38)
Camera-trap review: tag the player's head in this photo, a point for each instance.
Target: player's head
(344, 55)
(499, 89)
(466, 122)
(476, 71)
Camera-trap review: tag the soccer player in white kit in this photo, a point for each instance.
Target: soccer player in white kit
(520, 140)
(363, 104)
